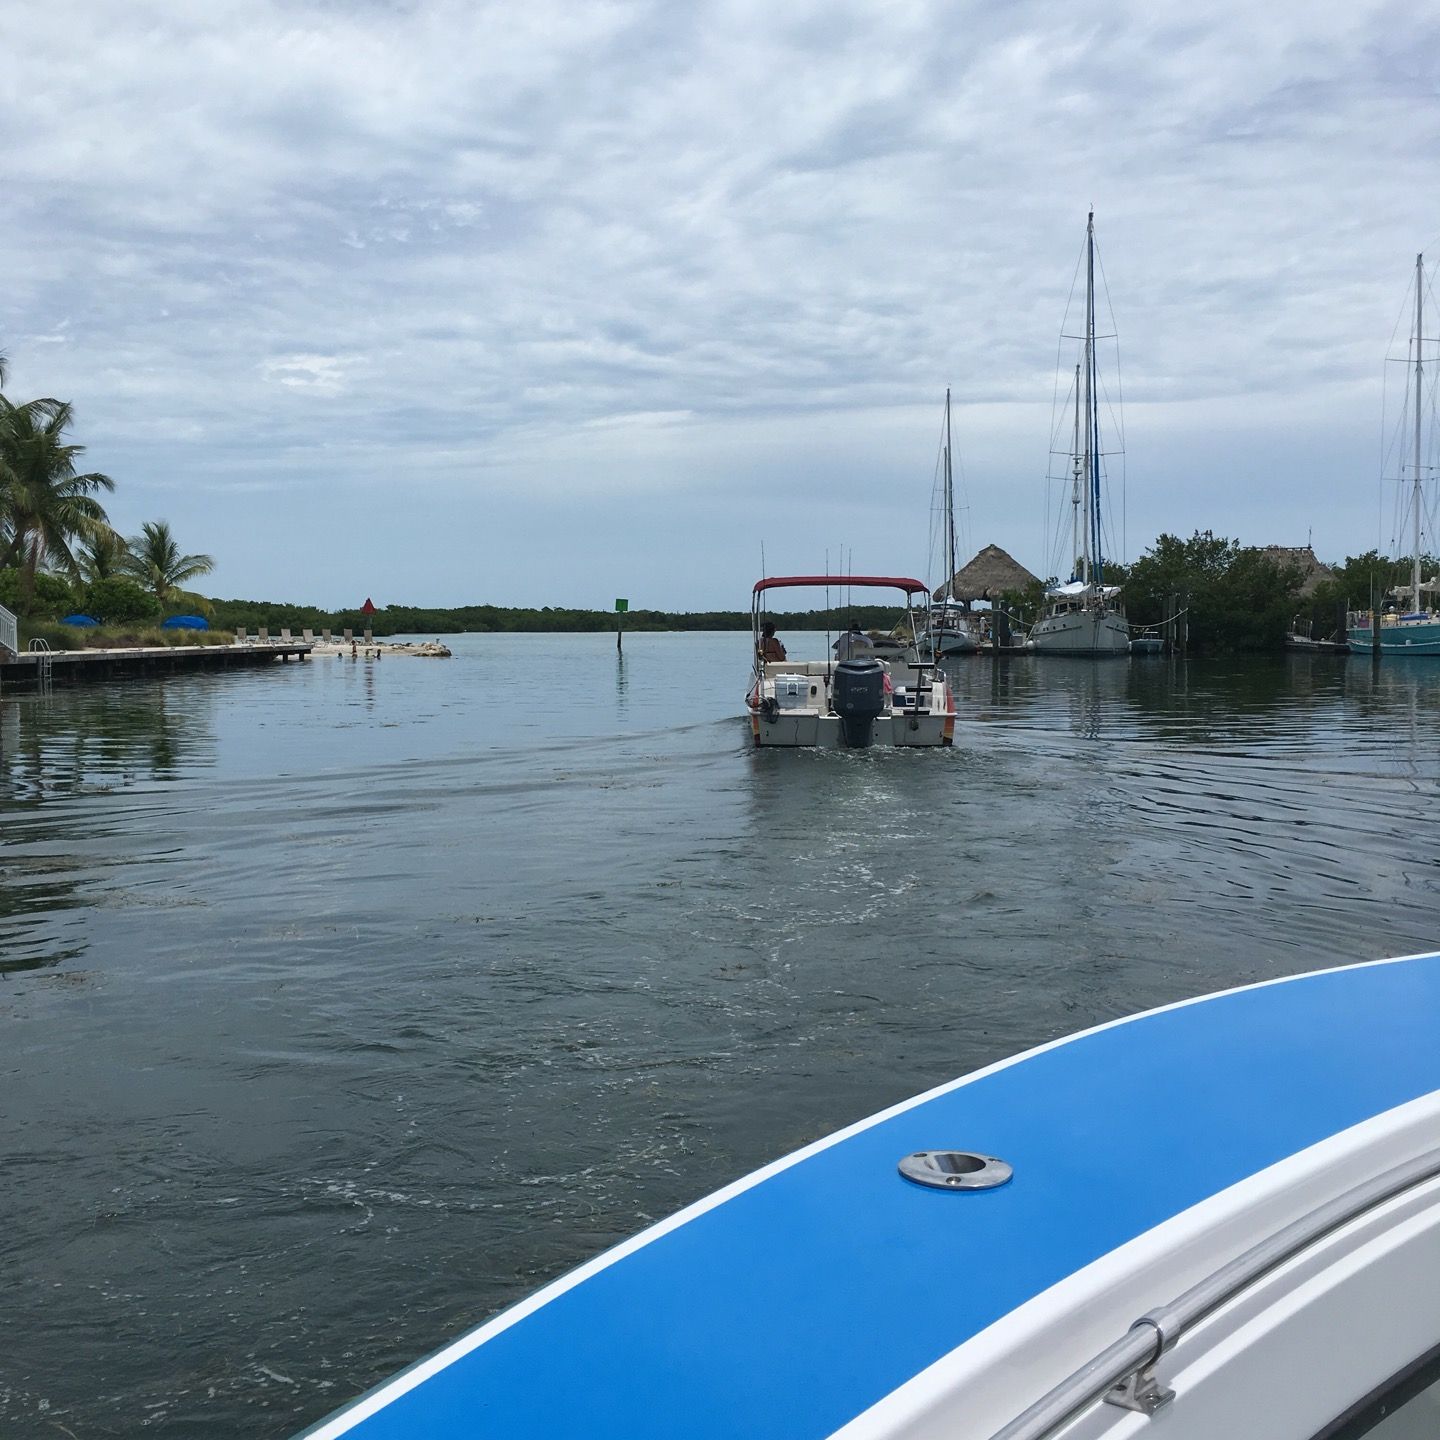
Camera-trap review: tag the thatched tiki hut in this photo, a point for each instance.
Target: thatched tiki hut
(1303, 558)
(988, 576)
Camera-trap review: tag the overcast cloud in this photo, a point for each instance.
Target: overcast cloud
(550, 302)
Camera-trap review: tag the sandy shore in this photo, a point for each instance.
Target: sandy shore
(431, 648)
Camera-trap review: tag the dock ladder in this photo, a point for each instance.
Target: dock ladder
(44, 662)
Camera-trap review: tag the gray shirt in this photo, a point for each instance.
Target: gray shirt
(852, 645)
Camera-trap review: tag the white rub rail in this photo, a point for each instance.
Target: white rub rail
(1123, 1373)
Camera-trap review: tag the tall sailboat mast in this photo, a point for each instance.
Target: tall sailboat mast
(1092, 415)
(1084, 616)
(1419, 393)
(949, 507)
(1076, 461)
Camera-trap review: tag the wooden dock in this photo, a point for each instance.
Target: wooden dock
(35, 669)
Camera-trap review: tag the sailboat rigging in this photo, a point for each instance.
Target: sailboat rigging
(953, 627)
(1084, 616)
(1390, 628)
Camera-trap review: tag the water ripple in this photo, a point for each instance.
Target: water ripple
(343, 1005)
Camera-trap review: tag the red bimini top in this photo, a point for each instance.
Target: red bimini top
(882, 582)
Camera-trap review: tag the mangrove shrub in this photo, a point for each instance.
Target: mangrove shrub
(117, 600)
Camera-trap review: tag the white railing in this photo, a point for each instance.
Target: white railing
(1124, 1373)
(9, 632)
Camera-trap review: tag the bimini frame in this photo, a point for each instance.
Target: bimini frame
(840, 582)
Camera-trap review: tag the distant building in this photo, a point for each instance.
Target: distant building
(1303, 558)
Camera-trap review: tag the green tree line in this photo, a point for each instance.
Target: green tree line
(483, 619)
(1237, 598)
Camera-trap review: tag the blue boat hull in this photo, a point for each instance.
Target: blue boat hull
(801, 1297)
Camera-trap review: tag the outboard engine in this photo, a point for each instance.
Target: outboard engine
(858, 693)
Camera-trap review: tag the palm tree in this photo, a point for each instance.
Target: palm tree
(156, 562)
(44, 505)
(102, 555)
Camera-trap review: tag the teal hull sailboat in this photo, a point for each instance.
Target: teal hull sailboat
(1417, 633)
(1392, 628)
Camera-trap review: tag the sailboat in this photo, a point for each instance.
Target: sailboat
(1392, 628)
(953, 627)
(1084, 616)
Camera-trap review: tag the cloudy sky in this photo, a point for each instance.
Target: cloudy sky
(550, 302)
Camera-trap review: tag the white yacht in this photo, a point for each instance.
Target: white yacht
(1081, 618)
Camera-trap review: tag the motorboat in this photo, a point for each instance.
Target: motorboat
(1300, 638)
(1217, 1218)
(862, 696)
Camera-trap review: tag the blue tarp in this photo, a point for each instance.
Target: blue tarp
(79, 620)
(185, 622)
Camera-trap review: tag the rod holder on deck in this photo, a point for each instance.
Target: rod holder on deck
(955, 1170)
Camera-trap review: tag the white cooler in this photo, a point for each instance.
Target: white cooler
(792, 692)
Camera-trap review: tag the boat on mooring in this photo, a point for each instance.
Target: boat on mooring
(1301, 639)
(856, 699)
(954, 629)
(1218, 1218)
(985, 581)
(1390, 627)
(1084, 616)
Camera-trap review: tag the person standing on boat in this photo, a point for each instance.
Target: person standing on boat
(854, 644)
(770, 646)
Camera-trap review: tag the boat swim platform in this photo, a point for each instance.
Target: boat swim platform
(34, 669)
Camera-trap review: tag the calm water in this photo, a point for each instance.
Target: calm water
(342, 1004)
